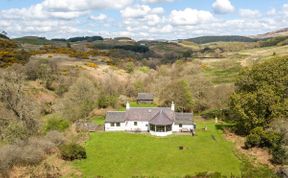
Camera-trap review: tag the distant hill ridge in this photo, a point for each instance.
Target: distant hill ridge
(77, 39)
(277, 33)
(210, 39)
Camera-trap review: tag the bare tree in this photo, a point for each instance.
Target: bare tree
(16, 100)
(79, 101)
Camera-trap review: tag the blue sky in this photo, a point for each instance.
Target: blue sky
(141, 19)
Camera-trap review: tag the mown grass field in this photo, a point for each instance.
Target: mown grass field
(126, 155)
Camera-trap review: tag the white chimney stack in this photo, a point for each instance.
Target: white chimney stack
(173, 106)
(127, 105)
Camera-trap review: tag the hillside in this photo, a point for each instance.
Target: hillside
(277, 33)
(210, 39)
(34, 40)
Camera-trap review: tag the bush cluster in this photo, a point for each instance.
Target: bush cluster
(262, 138)
(57, 123)
(72, 152)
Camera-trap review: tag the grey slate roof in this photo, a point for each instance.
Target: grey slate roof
(183, 118)
(153, 115)
(145, 96)
(146, 114)
(114, 116)
(161, 118)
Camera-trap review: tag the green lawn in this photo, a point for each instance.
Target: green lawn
(126, 155)
(99, 120)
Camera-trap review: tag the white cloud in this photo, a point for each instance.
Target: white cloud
(190, 17)
(272, 12)
(38, 11)
(82, 5)
(249, 13)
(285, 9)
(140, 11)
(64, 9)
(62, 19)
(141, 16)
(164, 29)
(156, 1)
(101, 17)
(223, 7)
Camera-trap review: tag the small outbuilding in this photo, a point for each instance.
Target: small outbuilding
(145, 98)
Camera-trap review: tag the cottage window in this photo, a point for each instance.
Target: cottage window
(112, 124)
(160, 128)
(135, 123)
(118, 124)
(152, 127)
(180, 125)
(168, 128)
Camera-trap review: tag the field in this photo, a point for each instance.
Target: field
(125, 155)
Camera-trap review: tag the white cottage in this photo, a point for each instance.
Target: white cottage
(156, 120)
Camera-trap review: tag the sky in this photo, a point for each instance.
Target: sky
(141, 19)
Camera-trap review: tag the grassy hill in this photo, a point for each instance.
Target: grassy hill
(33, 40)
(277, 33)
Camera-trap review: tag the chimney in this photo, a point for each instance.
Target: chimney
(172, 106)
(127, 105)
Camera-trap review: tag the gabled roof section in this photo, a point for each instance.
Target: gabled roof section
(114, 116)
(161, 118)
(146, 114)
(145, 96)
(183, 118)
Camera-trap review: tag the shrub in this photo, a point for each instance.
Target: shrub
(11, 155)
(261, 138)
(72, 152)
(252, 140)
(105, 101)
(270, 139)
(55, 137)
(280, 156)
(46, 170)
(211, 114)
(56, 123)
(15, 131)
(31, 155)
(44, 144)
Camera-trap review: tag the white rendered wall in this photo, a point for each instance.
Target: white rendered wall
(176, 128)
(142, 126)
(108, 127)
(160, 134)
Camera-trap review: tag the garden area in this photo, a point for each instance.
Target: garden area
(126, 155)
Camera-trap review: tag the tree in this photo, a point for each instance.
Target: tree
(261, 95)
(45, 70)
(80, 100)
(180, 93)
(17, 101)
(187, 54)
